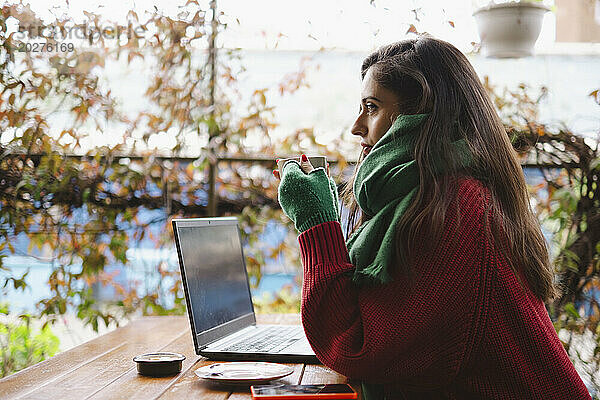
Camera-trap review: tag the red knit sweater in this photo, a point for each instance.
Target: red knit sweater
(465, 330)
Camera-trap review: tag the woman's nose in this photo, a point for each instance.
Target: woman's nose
(358, 128)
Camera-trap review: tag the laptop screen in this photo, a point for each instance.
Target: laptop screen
(215, 274)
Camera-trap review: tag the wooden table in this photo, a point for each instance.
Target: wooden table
(103, 368)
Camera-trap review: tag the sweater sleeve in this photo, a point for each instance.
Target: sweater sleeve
(415, 335)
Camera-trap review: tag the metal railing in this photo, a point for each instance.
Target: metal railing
(213, 171)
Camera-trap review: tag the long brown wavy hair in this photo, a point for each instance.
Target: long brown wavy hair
(432, 76)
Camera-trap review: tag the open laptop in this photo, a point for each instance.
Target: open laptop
(219, 303)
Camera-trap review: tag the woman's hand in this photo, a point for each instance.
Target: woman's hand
(305, 197)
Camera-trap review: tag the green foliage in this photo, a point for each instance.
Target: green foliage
(21, 345)
(571, 311)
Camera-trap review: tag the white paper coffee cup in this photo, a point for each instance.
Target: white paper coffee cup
(316, 161)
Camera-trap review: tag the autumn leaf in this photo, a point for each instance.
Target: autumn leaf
(596, 96)
(541, 130)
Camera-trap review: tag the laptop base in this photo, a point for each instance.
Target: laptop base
(267, 357)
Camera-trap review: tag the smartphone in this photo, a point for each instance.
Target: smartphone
(292, 392)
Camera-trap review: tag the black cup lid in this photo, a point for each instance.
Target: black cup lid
(158, 357)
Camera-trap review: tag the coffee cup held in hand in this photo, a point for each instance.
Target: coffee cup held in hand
(316, 161)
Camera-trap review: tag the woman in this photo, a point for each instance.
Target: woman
(439, 291)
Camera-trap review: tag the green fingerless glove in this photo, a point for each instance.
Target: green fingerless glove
(307, 199)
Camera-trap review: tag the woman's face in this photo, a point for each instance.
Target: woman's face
(378, 110)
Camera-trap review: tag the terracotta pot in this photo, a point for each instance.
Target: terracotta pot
(509, 29)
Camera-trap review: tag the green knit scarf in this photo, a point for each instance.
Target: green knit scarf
(386, 183)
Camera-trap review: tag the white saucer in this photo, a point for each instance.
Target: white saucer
(243, 372)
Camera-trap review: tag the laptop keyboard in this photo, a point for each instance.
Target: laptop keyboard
(269, 340)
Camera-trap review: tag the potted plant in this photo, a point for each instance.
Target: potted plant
(510, 29)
